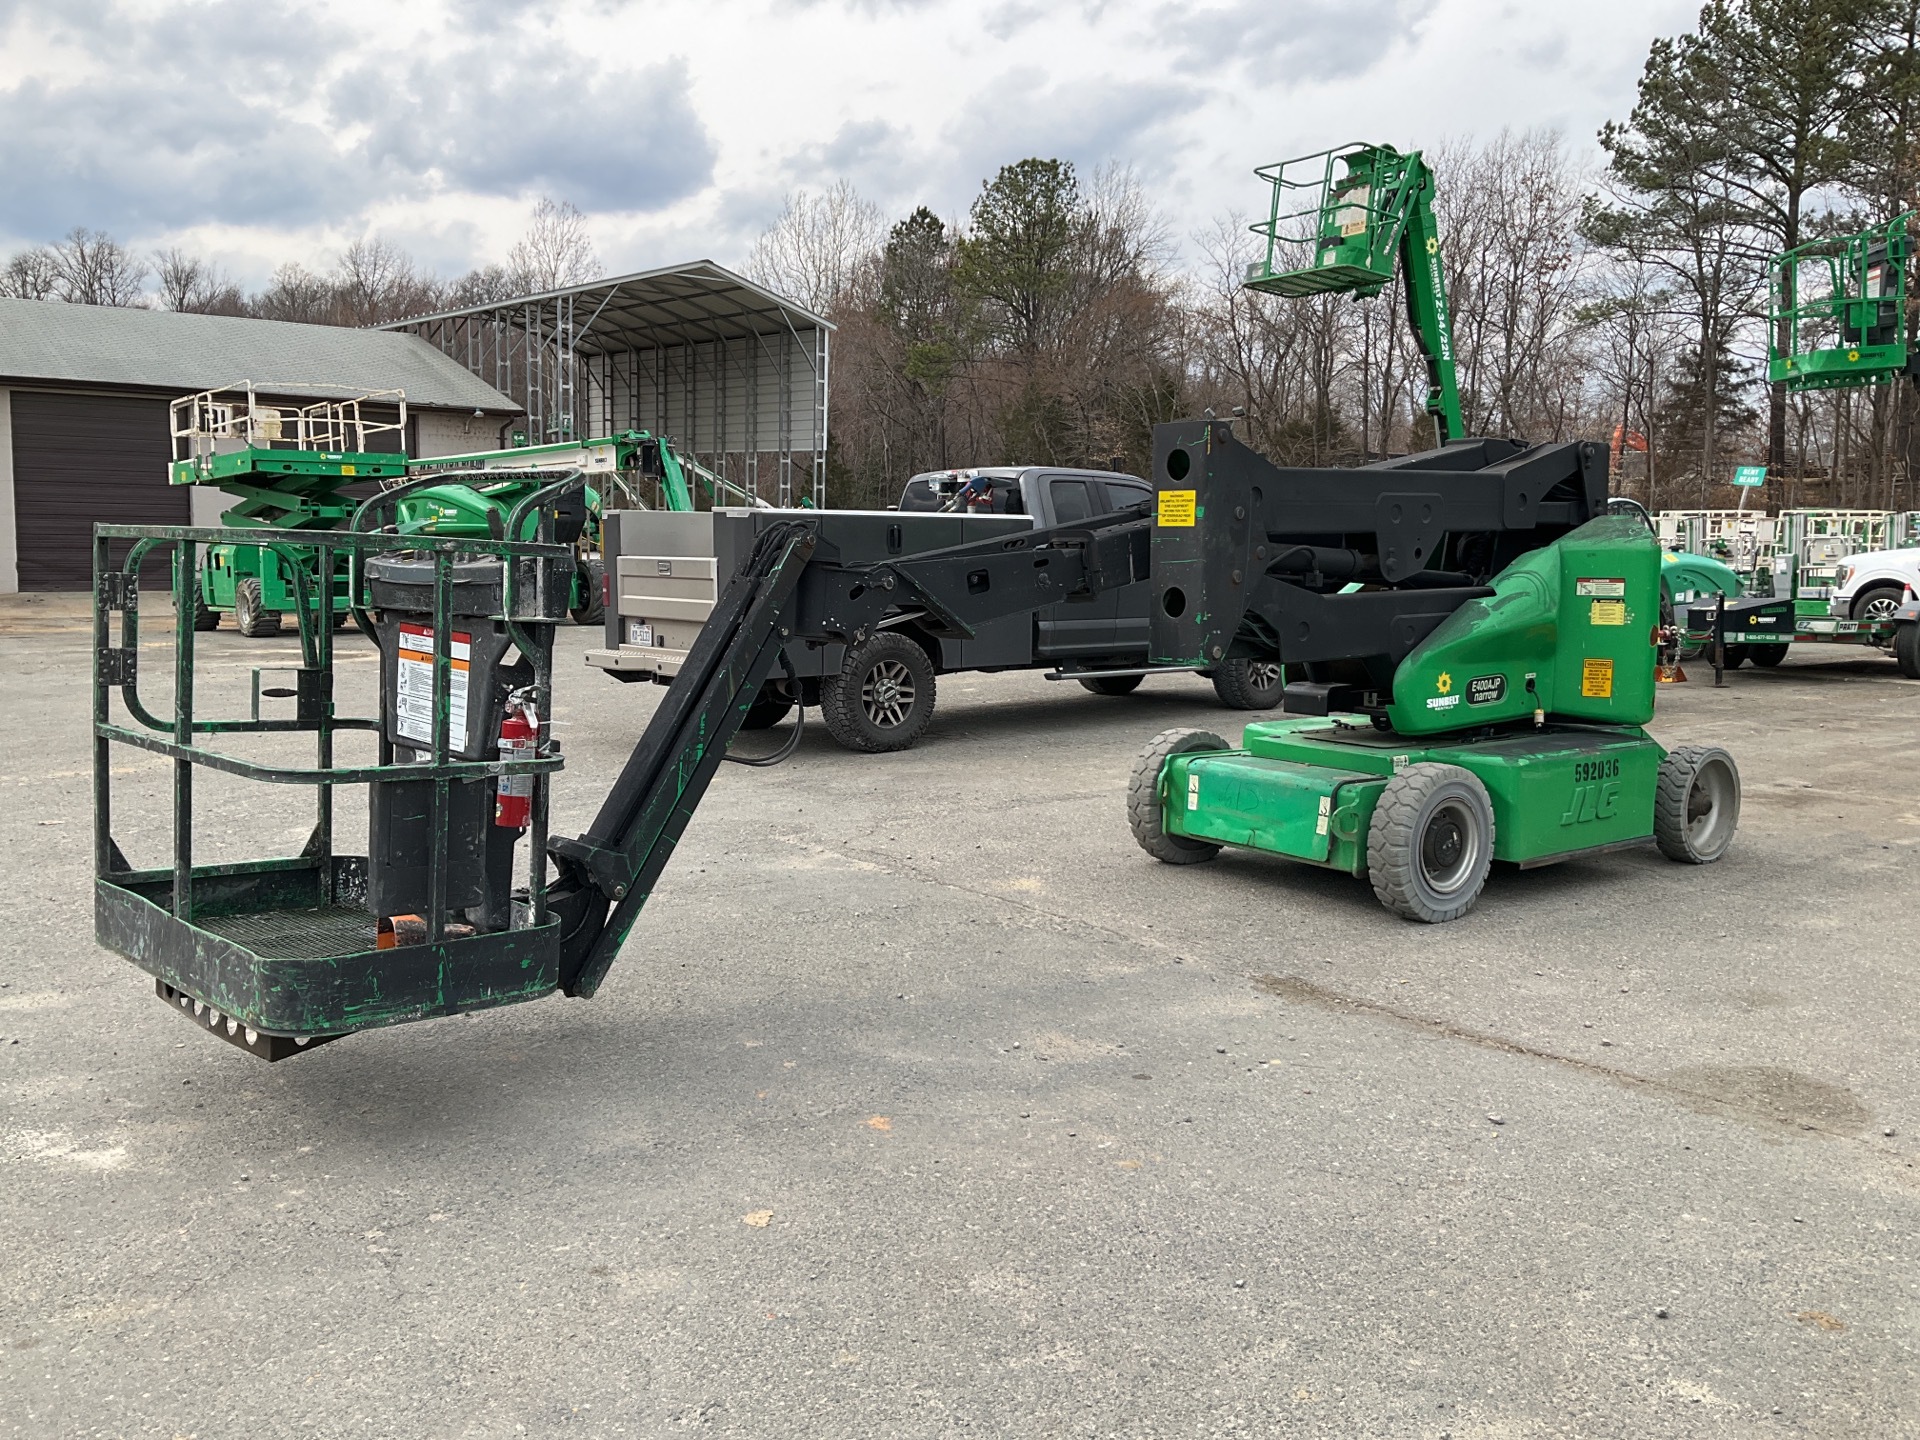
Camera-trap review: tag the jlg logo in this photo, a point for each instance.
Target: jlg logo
(1592, 802)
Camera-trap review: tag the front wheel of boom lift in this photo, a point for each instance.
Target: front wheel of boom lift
(1145, 816)
(883, 696)
(1430, 843)
(1697, 805)
(1250, 684)
(250, 612)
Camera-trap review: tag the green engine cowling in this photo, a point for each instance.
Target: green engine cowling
(1571, 629)
(479, 511)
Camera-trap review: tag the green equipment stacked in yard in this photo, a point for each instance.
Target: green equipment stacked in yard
(1838, 319)
(289, 468)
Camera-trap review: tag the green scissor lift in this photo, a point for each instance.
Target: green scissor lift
(289, 468)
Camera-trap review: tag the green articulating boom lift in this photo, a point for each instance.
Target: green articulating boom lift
(1470, 610)
(1339, 223)
(289, 468)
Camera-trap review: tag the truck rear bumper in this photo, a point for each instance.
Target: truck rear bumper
(651, 660)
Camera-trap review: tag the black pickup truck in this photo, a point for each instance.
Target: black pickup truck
(665, 570)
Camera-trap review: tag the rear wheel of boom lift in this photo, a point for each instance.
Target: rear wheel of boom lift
(1906, 649)
(1113, 684)
(883, 696)
(1697, 806)
(1250, 684)
(250, 613)
(1145, 816)
(593, 607)
(1767, 656)
(1430, 843)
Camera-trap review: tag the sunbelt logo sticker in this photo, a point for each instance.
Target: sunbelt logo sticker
(1446, 699)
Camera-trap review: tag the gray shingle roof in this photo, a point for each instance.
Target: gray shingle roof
(163, 350)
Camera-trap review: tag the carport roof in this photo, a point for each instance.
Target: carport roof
(165, 350)
(674, 305)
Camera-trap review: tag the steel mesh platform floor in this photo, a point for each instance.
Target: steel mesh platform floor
(297, 934)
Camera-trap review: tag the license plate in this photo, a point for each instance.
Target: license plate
(639, 633)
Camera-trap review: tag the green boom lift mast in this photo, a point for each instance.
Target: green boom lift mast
(1339, 221)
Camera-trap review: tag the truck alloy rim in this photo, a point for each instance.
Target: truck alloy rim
(888, 693)
(1881, 607)
(1264, 674)
(1450, 847)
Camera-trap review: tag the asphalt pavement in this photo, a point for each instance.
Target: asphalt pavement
(922, 1103)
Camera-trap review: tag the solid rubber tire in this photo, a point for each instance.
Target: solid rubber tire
(1397, 831)
(1238, 690)
(1767, 656)
(256, 622)
(591, 572)
(1145, 817)
(1906, 649)
(1670, 824)
(841, 704)
(1113, 684)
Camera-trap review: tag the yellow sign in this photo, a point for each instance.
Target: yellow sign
(348, 470)
(1608, 612)
(1596, 679)
(1177, 507)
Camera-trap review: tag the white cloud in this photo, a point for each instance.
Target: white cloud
(280, 129)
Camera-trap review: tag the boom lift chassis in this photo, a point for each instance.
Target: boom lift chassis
(1344, 571)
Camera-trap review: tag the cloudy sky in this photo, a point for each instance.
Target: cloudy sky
(259, 131)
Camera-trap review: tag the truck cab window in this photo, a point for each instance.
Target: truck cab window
(1071, 501)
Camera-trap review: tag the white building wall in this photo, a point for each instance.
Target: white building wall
(453, 432)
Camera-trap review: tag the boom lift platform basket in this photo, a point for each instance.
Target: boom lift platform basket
(279, 953)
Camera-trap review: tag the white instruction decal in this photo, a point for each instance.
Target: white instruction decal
(413, 701)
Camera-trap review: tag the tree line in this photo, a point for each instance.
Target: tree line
(371, 282)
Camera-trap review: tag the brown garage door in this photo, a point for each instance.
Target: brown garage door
(82, 458)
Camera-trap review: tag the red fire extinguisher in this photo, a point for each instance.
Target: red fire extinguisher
(519, 740)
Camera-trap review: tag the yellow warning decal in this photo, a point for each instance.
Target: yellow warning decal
(1608, 612)
(348, 470)
(1596, 679)
(1177, 507)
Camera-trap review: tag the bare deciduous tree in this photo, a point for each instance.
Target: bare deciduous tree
(555, 252)
(33, 274)
(95, 269)
(813, 251)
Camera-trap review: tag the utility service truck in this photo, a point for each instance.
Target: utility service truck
(666, 571)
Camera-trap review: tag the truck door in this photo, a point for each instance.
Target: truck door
(1079, 627)
(1130, 601)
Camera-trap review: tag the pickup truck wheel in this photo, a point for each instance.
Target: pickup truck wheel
(1113, 684)
(1145, 817)
(883, 696)
(593, 607)
(1877, 602)
(250, 612)
(1250, 684)
(1697, 804)
(767, 711)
